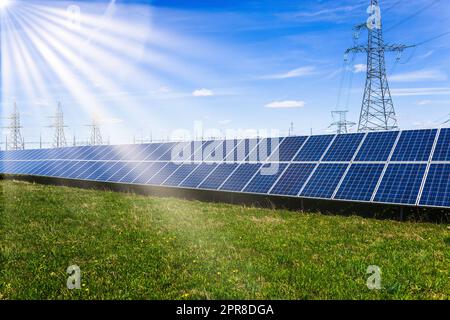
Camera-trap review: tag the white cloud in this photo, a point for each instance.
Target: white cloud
(426, 55)
(407, 92)
(421, 75)
(358, 68)
(224, 122)
(285, 104)
(295, 73)
(203, 93)
(433, 102)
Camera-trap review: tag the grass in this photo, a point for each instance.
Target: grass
(135, 247)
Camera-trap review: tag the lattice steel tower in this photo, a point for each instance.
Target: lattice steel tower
(341, 124)
(377, 111)
(15, 137)
(59, 138)
(95, 135)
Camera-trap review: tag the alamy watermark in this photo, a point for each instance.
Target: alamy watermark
(74, 279)
(374, 280)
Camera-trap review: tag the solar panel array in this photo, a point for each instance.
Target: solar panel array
(393, 167)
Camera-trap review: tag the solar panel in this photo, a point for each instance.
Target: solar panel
(344, 147)
(324, 167)
(198, 175)
(414, 145)
(165, 172)
(293, 179)
(436, 191)
(288, 149)
(218, 176)
(324, 181)
(238, 180)
(401, 183)
(265, 177)
(180, 174)
(360, 182)
(314, 148)
(442, 151)
(377, 146)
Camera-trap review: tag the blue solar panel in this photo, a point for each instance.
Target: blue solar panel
(436, 191)
(65, 167)
(107, 171)
(288, 149)
(442, 151)
(134, 173)
(267, 175)
(243, 149)
(149, 170)
(344, 147)
(178, 176)
(122, 171)
(164, 173)
(198, 175)
(324, 181)
(401, 183)
(293, 179)
(414, 145)
(79, 168)
(314, 148)
(91, 169)
(239, 179)
(360, 182)
(218, 176)
(377, 146)
(264, 149)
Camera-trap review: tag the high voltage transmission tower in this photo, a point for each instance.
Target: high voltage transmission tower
(377, 111)
(59, 138)
(95, 133)
(341, 124)
(15, 137)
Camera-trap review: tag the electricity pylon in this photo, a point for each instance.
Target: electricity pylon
(59, 138)
(341, 124)
(95, 133)
(377, 111)
(15, 141)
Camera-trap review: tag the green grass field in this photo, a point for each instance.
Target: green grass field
(136, 247)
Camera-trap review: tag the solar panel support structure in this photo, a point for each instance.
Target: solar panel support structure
(377, 110)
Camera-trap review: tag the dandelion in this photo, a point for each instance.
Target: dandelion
(185, 295)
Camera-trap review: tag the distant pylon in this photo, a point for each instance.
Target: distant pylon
(95, 133)
(291, 129)
(340, 121)
(59, 138)
(15, 141)
(377, 111)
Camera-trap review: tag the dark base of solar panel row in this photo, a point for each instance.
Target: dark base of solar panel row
(409, 168)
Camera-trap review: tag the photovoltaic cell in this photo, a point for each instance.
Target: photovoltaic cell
(377, 146)
(344, 147)
(266, 176)
(401, 183)
(442, 151)
(314, 148)
(264, 149)
(360, 182)
(182, 172)
(288, 149)
(164, 173)
(414, 145)
(148, 171)
(198, 175)
(436, 191)
(218, 176)
(324, 181)
(293, 179)
(122, 171)
(238, 180)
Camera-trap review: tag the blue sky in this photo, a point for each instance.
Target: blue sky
(158, 66)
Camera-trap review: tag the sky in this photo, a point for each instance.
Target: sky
(179, 69)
